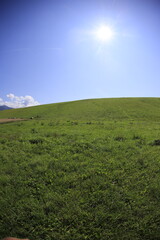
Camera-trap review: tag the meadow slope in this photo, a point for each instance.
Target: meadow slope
(94, 109)
(83, 170)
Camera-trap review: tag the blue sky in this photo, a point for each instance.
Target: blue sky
(48, 54)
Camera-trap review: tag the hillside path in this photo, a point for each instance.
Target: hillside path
(5, 120)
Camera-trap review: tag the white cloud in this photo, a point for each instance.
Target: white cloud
(1, 102)
(19, 102)
(11, 96)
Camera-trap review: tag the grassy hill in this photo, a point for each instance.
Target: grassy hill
(82, 170)
(95, 109)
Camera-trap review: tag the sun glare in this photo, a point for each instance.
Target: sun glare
(104, 33)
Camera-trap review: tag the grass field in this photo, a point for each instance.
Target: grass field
(83, 170)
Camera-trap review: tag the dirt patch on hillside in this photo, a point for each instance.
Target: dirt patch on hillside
(5, 120)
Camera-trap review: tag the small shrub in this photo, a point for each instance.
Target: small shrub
(141, 163)
(140, 142)
(81, 147)
(3, 141)
(33, 130)
(120, 138)
(136, 137)
(50, 124)
(38, 116)
(36, 141)
(156, 142)
(74, 123)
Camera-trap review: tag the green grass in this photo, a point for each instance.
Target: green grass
(82, 170)
(95, 109)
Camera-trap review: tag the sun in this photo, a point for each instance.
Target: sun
(104, 33)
